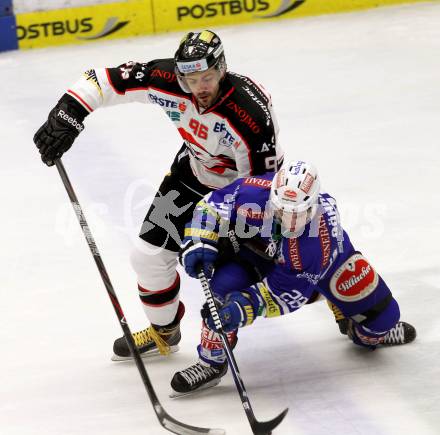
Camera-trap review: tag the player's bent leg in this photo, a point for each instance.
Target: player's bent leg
(159, 285)
(384, 330)
(158, 281)
(212, 365)
(360, 294)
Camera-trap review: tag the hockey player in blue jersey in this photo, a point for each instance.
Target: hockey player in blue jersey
(269, 245)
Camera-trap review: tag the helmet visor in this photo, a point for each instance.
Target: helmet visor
(207, 79)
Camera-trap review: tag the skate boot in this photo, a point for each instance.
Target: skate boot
(402, 333)
(340, 319)
(153, 340)
(197, 377)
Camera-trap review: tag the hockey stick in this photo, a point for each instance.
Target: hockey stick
(165, 419)
(258, 428)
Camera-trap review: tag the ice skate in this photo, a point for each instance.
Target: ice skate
(402, 333)
(153, 340)
(197, 377)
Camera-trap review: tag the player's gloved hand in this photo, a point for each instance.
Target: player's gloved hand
(193, 255)
(362, 337)
(236, 312)
(57, 134)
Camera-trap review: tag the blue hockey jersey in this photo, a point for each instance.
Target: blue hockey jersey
(321, 258)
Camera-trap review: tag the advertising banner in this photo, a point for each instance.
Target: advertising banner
(79, 25)
(184, 14)
(142, 17)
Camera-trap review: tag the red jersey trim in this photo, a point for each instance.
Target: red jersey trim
(111, 83)
(190, 138)
(79, 99)
(220, 101)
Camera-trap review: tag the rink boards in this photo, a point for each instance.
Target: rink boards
(141, 17)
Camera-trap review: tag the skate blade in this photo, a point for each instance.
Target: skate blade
(176, 394)
(149, 354)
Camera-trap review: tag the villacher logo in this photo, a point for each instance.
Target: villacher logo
(79, 26)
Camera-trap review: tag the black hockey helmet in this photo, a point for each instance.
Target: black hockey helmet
(197, 52)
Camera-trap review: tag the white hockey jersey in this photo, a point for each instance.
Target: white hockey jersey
(236, 137)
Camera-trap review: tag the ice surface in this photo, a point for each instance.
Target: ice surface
(358, 94)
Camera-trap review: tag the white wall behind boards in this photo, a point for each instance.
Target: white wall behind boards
(23, 6)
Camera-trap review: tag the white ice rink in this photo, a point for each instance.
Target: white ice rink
(359, 95)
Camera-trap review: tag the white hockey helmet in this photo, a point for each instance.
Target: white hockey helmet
(295, 187)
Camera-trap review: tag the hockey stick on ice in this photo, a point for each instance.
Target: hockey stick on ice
(165, 419)
(258, 428)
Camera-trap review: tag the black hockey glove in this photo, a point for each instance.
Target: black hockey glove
(62, 127)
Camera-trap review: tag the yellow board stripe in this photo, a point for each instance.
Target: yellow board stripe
(175, 15)
(84, 24)
(141, 17)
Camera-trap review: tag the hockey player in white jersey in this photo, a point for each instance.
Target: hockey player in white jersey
(228, 129)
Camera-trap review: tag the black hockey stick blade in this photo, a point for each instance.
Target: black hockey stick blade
(266, 427)
(170, 423)
(180, 428)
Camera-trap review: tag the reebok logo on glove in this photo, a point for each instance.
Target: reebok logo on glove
(63, 115)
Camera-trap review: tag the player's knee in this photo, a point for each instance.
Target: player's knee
(155, 267)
